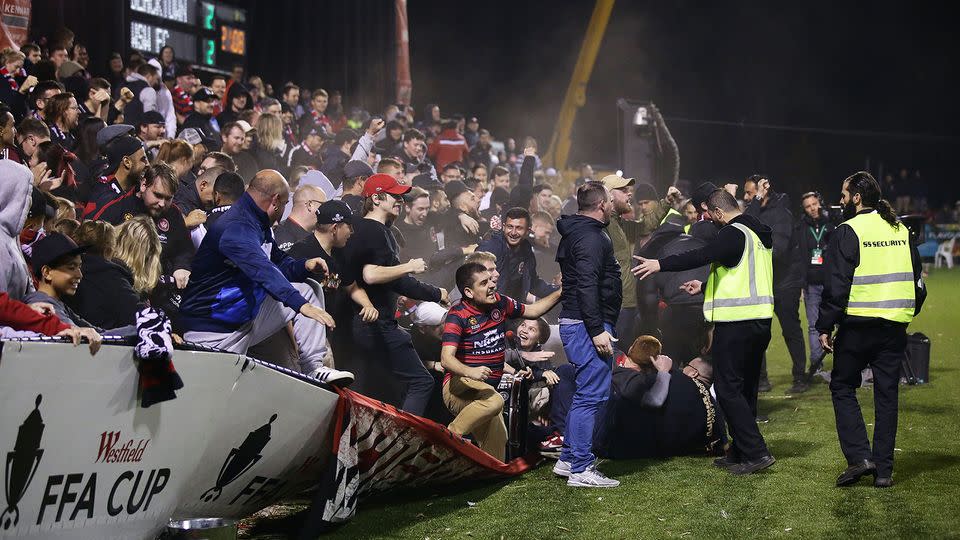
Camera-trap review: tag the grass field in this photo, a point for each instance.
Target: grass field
(688, 498)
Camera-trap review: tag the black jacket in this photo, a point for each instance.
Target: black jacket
(726, 248)
(668, 283)
(204, 123)
(592, 291)
(517, 267)
(842, 258)
(776, 215)
(105, 296)
(806, 231)
(288, 233)
(187, 198)
(333, 161)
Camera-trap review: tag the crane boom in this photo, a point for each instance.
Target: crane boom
(576, 95)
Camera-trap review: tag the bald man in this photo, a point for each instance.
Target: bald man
(244, 288)
(303, 216)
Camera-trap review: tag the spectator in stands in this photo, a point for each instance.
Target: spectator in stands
(126, 160)
(178, 154)
(40, 96)
(337, 155)
(202, 118)
(144, 83)
(233, 257)
(449, 147)
(227, 190)
(152, 131)
(218, 85)
(473, 348)
(182, 102)
(355, 175)
(374, 257)
(392, 140)
(194, 199)
(238, 100)
(30, 133)
(16, 191)
(450, 173)
(217, 159)
(62, 115)
(270, 149)
(8, 136)
(303, 216)
(232, 137)
(138, 250)
(308, 152)
(105, 296)
(17, 83)
(516, 261)
(464, 208)
(291, 96)
(316, 117)
(412, 154)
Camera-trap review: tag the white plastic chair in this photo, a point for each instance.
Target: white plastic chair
(945, 252)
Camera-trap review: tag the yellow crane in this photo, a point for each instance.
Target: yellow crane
(576, 95)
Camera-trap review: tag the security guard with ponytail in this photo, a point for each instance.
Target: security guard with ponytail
(872, 290)
(738, 300)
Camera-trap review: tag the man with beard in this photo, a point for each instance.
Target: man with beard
(202, 118)
(592, 294)
(738, 299)
(153, 196)
(873, 289)
(515, 258)
(245, 289)
(463, 204)
(126, 160)
(375, 264)
(813, 234)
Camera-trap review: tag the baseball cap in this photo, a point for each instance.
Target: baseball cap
(454, 189)
(245, 126)
(384, 183)
(334, 211)
(204, 94)
(615, 181)
(52, 247)
(151, 117)
(427, 182)
(121, 147)
(701, 194)
(355, 168)
(111, 132)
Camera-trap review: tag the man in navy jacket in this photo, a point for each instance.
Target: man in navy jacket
(515, 259)
(240, 290)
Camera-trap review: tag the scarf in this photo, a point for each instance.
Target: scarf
(10, 77)
(153, 354)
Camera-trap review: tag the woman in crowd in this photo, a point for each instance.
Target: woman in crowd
(168, 62)
(105, 296)
(16, 84)
(178, 154)
(88, 166)
(138, 248)
(270, 148)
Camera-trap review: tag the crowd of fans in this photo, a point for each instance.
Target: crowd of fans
(384, 249)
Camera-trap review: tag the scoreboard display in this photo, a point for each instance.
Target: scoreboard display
(206, 33)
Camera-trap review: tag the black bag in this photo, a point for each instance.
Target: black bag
(513, 390)
(915, 368)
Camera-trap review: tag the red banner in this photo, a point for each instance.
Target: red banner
(14, 22)
(379, 447)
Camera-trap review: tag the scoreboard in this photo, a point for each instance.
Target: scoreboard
(205, 33)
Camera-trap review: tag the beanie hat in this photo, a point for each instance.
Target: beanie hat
(645, 192)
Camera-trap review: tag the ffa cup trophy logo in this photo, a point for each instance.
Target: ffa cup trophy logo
(21, 464)
(240, 460)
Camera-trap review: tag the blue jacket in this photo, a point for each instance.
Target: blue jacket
(592, 291)
(237, 265)
(517, 267)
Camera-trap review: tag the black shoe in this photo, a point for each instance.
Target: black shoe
(762, 419)
(799, 387)
(764, 386)
(726, 462)
(855, 472)
(882, 482)
(750, 467)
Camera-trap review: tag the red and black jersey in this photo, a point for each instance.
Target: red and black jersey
(479, 335)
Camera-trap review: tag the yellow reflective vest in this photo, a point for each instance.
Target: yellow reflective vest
(882, 285)
(743, 292)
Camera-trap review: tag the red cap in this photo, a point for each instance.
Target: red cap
(383, 183)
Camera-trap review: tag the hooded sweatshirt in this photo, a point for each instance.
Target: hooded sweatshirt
(15, 190)
(592, 291)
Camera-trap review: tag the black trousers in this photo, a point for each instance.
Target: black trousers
(385, 342)
(676, 326)
(881, 346)
(786, 306)
(737, 353)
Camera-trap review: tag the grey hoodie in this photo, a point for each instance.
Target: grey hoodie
(16, 185)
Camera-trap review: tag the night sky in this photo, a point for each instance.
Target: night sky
(885, 68)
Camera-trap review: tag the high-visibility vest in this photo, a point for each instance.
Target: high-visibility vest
(743, 292)
(882, 284)
(686, 228)
(670, 212)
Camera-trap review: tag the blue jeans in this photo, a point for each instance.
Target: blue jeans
(593, 390)
(812, 295)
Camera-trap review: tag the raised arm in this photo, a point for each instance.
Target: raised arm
(542, 306)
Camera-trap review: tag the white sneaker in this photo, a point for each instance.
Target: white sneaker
(562, 468)
(591, 477)
(333, 377)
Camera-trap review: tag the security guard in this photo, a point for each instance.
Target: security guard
(738, 299)
(872, 290)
